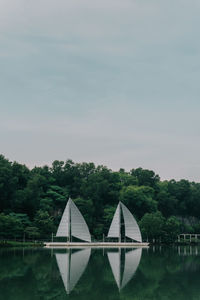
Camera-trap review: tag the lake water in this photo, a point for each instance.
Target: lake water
(126, 274)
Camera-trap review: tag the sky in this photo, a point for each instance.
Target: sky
(114, 82)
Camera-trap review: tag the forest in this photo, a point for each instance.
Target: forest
(32, 200)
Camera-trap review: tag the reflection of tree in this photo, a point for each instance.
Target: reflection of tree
(163, 276)
(33, 274)
(25, 274)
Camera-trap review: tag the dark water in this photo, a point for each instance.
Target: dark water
(154, 273)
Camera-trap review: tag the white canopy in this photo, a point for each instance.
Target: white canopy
(131, 227)
(73, 223)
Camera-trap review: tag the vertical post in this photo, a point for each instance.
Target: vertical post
(68, 271)
(103, 237)
(69, 222)
(190, 238)
(119, 223)
(52, 237)
(119, 267)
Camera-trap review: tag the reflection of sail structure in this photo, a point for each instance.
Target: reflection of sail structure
(114, 259)
(132, 260)
(73, 224)
(131, 227)
(72, 266)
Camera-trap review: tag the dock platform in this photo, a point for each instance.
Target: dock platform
(95, 244)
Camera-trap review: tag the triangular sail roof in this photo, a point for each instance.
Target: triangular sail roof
(131, 227)
(72, 220)
(114, 230)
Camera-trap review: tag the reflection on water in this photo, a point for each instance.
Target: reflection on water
(131, 262)
(72, 265)
(129, 274)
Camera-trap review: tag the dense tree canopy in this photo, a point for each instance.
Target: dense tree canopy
(32, 201)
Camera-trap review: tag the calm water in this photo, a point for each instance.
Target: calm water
(154, 273)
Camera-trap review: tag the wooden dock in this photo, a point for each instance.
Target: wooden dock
(95, 245)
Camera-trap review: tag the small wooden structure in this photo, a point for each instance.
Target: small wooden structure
(191, 236)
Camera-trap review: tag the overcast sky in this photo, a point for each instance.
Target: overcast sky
(112, 82)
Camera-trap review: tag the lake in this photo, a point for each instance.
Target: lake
(76, 274)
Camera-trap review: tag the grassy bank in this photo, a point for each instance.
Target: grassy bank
(20, 244)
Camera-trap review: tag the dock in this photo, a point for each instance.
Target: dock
(95, 245)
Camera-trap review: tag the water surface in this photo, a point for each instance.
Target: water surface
(126, 274)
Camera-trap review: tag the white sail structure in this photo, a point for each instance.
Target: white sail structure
(131, 227)
(114, 230)
(72, 266)
(73, 224)
(132, 260)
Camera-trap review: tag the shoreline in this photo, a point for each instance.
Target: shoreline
(10, 244)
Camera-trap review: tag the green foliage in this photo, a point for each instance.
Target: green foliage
(6, 244)
(108, 216)
(58, 195)
(32, 232)
(10, 227)
(145, 177)
(171, 229)
(167, 203)
(152, 225)
(44, 222)
(155, 226)
(127, 179)
(140, 199)
(22, 218)
(36, 198)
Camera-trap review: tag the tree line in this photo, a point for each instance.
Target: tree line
(32, 200)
